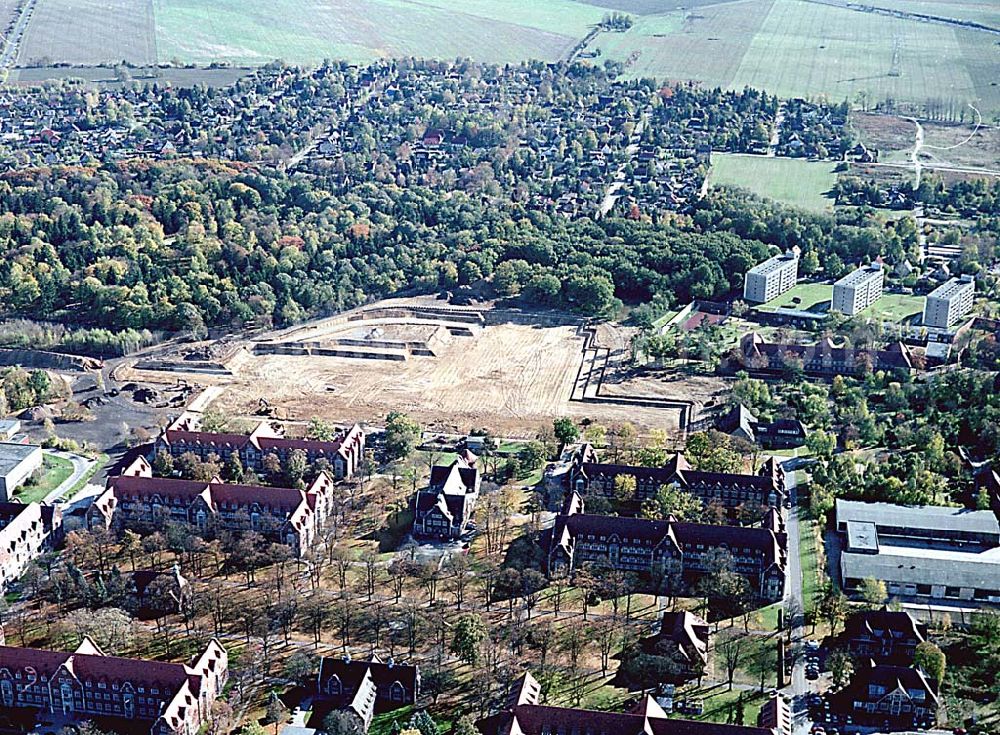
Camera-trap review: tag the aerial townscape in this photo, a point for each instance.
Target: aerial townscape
(499, 367)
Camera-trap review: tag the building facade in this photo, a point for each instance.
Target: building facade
(160, 698)
(824, 358)
(26, 532)
(444, 508)
(344, 454)
(18, 462)
(366, 687)
(765, 489)
(926, 553)
(885, 636)
(284, 515)
(524, 715)
(949, 302)
(891, 697)
(858, 290)
(768, 280)
(659, 547)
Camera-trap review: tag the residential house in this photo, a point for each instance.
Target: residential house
(887, 636)
(524, 715)
(26, 532)
(782, 433)
(365, 688)
(344, 454)
(284, 515)
(767, 488)
(669, 551)
(444, 508)
(890, 697)
(151, 696)
(824, 358)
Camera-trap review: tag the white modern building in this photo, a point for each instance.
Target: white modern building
(858, 290)
(949, 302)
(770, 279)
(925, 553)
(18, 462)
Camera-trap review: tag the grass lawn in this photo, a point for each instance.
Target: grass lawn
(895, 307)
(809, 559)
(803, 297)
(793, 181)
(721, 702)
(55, 471)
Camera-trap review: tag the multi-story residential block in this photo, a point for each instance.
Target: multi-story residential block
(154, 696)
(18, 462)
(444, 509)
(344, 454)
(284, 515)
(824, 358)
(928, 552)
(858, 290)
(768, 280)
(949, 302)
(886, 636)
(365, 688)
(523, 715)
(26, 532)
(587, 476)
(651, 547)
(889, 697)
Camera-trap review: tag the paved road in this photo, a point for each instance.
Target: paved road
(81, 465)
(611, 195)
(12, 42)
(799, 686)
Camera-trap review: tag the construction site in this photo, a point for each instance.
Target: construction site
(451, 368)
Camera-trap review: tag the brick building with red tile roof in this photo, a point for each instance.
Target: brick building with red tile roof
(132, 695)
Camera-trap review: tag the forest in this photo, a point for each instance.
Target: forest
(182, 245)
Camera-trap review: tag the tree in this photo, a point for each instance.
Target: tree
(832, 606)
(733, 651)
(873, 591)
(673, 501)
(565, 431)
(841, 667)
(932, 660)
(401, 436)
(465, 725)
(821, 444)
(423, 723)
(342, 722)
(276, 713)
(470, 633)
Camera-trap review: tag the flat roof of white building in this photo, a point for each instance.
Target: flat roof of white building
(11, 455)
(951, 287)
(772, 264)
(861, 275)
(937, 517)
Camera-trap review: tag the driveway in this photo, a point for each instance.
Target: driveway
(81, 466)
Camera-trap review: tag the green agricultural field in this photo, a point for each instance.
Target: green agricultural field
(252, 31)
(797, 48)
(793, 181)
(803, 297)
(789, 47)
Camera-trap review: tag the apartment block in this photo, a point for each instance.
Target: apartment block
(858, 290)
(949, 302)
(770, 279)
